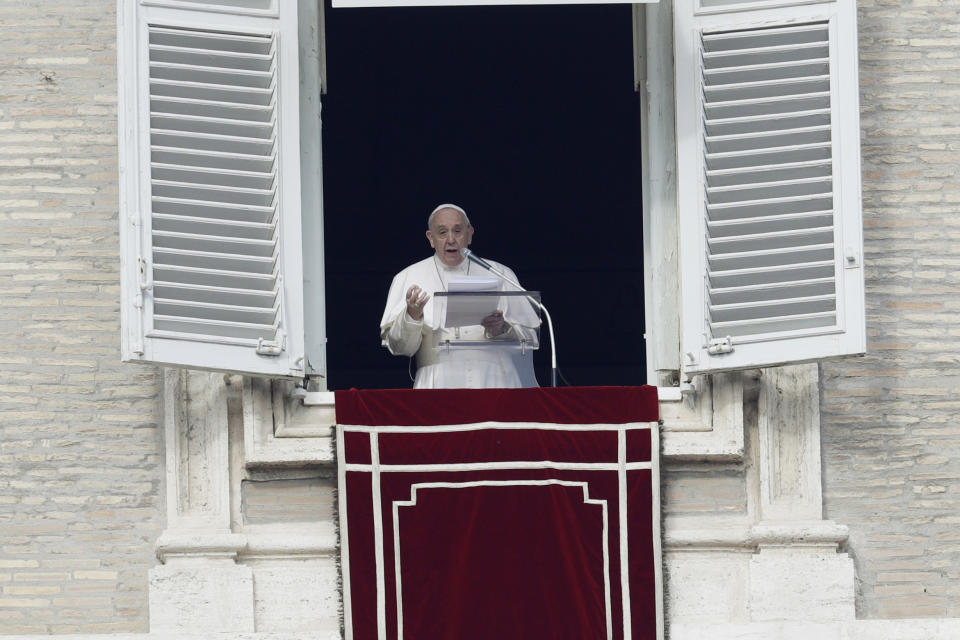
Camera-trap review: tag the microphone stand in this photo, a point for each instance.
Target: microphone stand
(489, 267)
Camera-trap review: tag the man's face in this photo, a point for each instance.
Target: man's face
(448, 234)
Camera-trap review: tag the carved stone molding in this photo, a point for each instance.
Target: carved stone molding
(199, 587)
(215, 575)
(279, 430)
(266, 544)
(706, 424)
(284, 426)
(703, 534)
(197, 456)
(788, 444)
(779, 560)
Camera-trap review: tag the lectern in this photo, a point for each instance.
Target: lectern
(458, 315)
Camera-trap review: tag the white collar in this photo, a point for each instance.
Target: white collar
(444, 273)
(463, 267)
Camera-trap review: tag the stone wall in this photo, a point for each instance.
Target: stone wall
(80, 455)
(308, 497)
(891, 423)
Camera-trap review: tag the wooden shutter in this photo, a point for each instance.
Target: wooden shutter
(769, 183)
(210, 181)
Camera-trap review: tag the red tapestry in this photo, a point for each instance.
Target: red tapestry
(501, 513)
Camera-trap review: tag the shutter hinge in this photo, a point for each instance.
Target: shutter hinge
(718, 346)
(142, 285)
(272, 347)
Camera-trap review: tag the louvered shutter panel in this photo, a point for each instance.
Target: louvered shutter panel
(769, 183)
(210, 185)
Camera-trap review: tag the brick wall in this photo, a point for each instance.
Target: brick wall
(891, 421)
(80, 468)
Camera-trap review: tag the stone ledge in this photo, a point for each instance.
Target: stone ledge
(902, 629)
(793, 534)
(313, 635)
(246, 545)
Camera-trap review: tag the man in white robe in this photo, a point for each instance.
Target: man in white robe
(409, 324)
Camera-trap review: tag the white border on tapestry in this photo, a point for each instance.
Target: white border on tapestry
(624, 533)
(502, 483)
(493, 424)
(519, 465)
(378, 537)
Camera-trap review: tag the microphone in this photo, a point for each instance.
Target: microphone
(472, 257)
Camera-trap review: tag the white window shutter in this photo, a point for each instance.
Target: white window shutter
(212, 274)
(768, 183)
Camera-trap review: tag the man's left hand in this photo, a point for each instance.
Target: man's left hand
(494, 325)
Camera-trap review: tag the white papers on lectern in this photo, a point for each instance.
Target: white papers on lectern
(467, 311)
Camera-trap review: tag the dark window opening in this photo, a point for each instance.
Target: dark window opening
(527, 118)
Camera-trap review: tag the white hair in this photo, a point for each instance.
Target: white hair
(440, 208)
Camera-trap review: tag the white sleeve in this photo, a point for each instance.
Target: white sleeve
(402, 337)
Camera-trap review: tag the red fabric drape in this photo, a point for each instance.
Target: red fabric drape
(515, 513)
(563, 405)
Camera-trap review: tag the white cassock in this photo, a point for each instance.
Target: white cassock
(486, 367)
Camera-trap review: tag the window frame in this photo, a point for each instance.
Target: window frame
(654, 63)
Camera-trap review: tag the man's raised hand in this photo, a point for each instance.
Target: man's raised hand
(416, 298)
